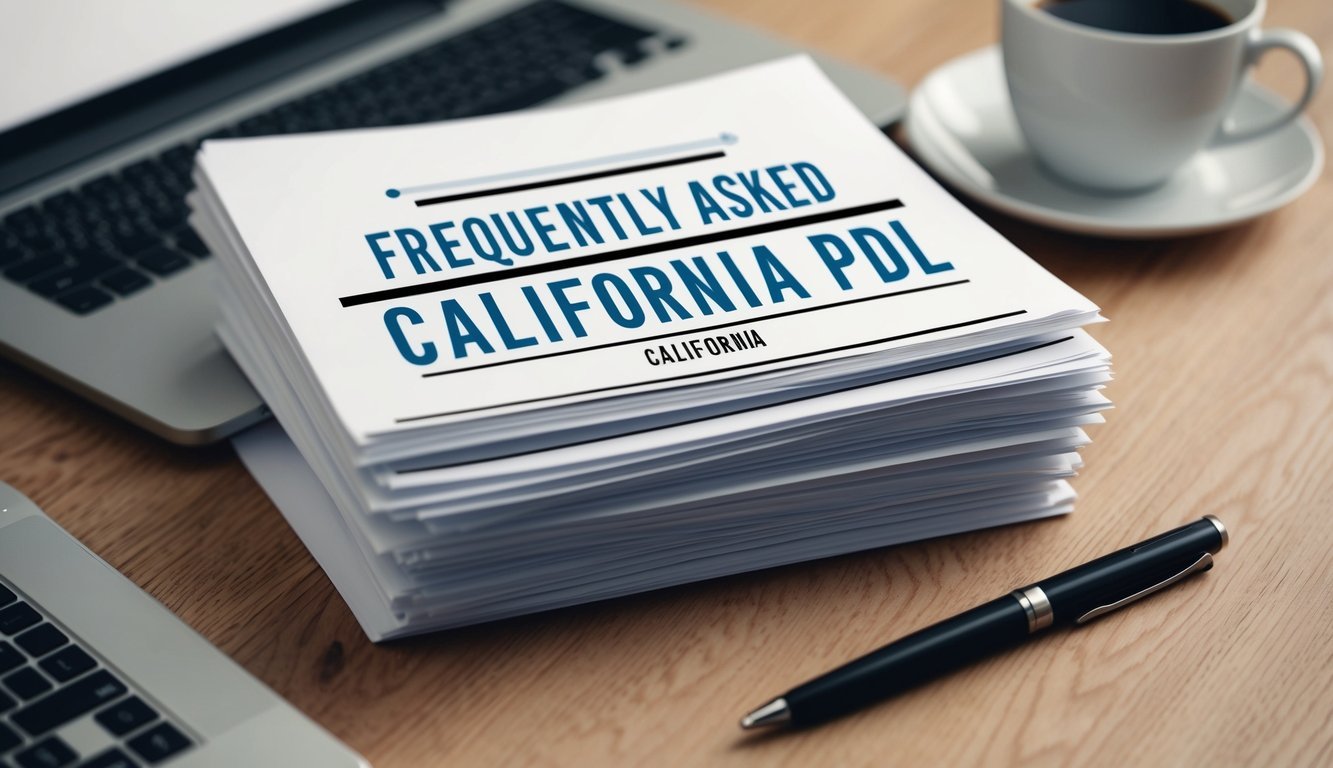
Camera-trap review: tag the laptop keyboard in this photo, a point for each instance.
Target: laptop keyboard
(120, 233)
(49, 684)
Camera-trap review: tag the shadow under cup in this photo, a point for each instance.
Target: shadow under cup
(1121, 111)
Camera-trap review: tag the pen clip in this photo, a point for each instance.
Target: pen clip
(1204, 562)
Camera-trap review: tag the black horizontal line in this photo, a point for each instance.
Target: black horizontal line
(695, 331)
(789, 358)
(571, 179)
(622, 253)
(941, 369)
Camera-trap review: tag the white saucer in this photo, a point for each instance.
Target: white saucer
(962, 127)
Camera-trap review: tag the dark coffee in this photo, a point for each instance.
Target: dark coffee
(1140, 17)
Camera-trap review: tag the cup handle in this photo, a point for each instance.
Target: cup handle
(1260, 43)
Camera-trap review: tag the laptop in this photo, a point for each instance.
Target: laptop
(95, 673)
(105, 289)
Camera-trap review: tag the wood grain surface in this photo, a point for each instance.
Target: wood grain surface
(1223, 349)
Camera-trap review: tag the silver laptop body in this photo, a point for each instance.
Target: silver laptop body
(151, 356)
(154, 692)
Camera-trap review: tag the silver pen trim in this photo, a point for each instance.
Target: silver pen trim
(775, 712)
(1221, 530)
(1037, 607)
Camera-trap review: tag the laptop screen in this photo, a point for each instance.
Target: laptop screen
(72, 50)
(89, 78)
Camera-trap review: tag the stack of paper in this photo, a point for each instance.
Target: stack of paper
(539, 359)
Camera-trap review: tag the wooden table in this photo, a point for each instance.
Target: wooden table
(1224, 394)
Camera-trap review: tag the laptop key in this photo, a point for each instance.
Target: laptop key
(27, 683)
(178, 160)
(74, 700)
(132, 236)
(6, 596)
(187, 240)
(92, 252)
(123, 280)
(41, 640)
(105, 187)
(17, 618)
(61, 201)
(137, 171)
(9, 657)
(67, 663)
(48, 753)
(162, 261)
(43, 240)
(159, 742)
(57, 229)
(125, 716)
(112, 758)
(8, 739)
(24, 220)
(35, 267)
(63, 280)
(169, 215)
(11, 250)
(83, 300)
(631, 55)
(533, 94)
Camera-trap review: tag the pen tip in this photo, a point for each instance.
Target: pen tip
(774, 712)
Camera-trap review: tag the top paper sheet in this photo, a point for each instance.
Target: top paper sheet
(746, 223)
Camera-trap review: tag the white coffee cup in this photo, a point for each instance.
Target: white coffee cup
(1120, 111)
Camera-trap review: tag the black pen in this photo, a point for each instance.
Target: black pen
(1076, 596)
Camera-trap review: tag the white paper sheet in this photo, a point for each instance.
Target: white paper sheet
(313, 213)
